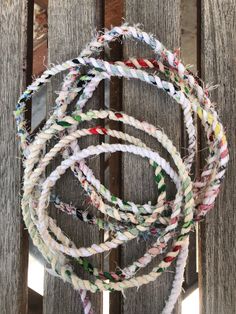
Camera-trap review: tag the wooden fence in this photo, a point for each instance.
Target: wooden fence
(206, 31)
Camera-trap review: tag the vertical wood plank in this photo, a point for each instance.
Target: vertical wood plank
(71, 26)
(13, 76)
(218, 250)
(189, 55)
(144, 102)
(113, 17)
(35, 302)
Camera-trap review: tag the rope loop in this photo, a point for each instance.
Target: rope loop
(168, 222)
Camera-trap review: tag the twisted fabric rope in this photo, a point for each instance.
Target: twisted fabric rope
(168, 220)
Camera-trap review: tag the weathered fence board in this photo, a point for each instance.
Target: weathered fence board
(71, 26)
(13, 237)
(144, 102)
(113, 17)
(218, 250)
(189, 55)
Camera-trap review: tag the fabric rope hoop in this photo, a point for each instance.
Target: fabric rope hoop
(167, 220)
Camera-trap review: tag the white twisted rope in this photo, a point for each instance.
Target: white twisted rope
(167, 220)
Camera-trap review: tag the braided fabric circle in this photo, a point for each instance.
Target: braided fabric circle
(168, 222)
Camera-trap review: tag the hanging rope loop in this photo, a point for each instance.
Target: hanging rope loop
(168, 222)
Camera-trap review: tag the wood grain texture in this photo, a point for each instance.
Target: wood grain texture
(40, 58)
(188, 49)
(145, 102)
(113, 17)
(35, 305)
(113, 12)
(71, 26)
(218, 252)
(13, 239)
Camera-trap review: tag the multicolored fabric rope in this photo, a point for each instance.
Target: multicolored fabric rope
(168, 222)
